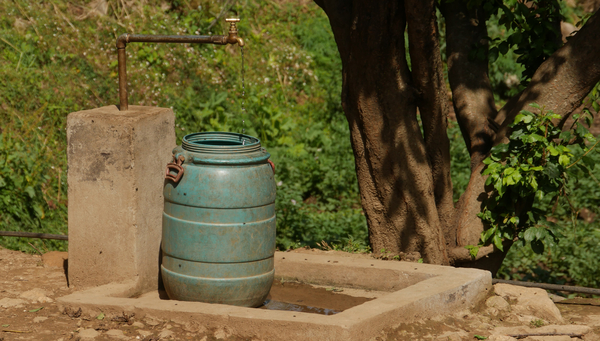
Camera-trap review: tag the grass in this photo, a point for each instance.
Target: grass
(59, 57)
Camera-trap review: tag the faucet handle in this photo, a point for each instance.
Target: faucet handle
(232, 24)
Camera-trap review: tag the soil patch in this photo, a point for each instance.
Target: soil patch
(28, 311)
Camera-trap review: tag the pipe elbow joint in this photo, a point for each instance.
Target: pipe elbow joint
(122, 40)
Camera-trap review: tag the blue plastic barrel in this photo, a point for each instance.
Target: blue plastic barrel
(218, 237)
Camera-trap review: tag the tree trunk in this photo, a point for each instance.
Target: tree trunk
(403, 172)
(379, 99)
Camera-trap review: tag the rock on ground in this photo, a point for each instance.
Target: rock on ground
(36, 295)
(87, 334)
(529, 301)
(11, 302)
(55, 259)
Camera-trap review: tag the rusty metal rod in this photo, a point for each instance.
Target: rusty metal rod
(557, 287)
(124, 39)
(34, 235)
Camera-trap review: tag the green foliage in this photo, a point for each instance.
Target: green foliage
(536, 323)
(573, 260)
(530, 167)
(32, 189)
(532, 30)
(65, 61)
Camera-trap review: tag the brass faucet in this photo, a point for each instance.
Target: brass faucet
(124, 39)
(233, 38)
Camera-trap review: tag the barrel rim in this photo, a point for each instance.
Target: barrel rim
(231, 143)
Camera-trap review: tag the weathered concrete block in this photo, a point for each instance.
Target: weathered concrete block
(116, 173)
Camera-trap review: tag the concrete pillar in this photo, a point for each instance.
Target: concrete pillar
(116, 172)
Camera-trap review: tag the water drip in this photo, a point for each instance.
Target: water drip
(243, 94)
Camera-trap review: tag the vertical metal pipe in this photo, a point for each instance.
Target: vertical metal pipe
(122, 60)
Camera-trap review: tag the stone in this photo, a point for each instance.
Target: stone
(591, 336)
(165, 334)
(497, 303)
(593, 320)
(56, 259)
(551, 329)
(36, 296)
(548, 338)
(11, 303)
(194, 327)
(39, 319)
(152, 321)
(116, 334)
(138, 324)
(116, 163)
(144, 333)
(453, 336)
(88, 334)
(500, 338)
(223, 333)
(529, 301)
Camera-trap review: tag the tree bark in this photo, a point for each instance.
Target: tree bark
(379, 99)
(432, 100)
(562, 81)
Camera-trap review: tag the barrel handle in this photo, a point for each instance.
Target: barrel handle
(175, 166)
(272, 165)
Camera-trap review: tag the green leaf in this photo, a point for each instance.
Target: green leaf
(503, 47)
(479, 337)
(485, 235)
(100, 317)
(30, 191)
(564, 160)
(552, 171)
(473, 250)
(498, 242)
(36, 310)
(493, 54)
(537, 246)
(529, 234)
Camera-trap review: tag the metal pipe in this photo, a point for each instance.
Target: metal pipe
(124, 39)
(122, 59)
(34, 235)
(557, 287)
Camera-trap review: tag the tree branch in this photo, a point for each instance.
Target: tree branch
(428, 79)
(339, 13)
(462, 255)
(562, 81)
(473, 98)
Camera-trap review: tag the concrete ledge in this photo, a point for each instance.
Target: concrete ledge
(416, 291)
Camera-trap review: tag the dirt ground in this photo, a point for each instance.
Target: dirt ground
(30, 284)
